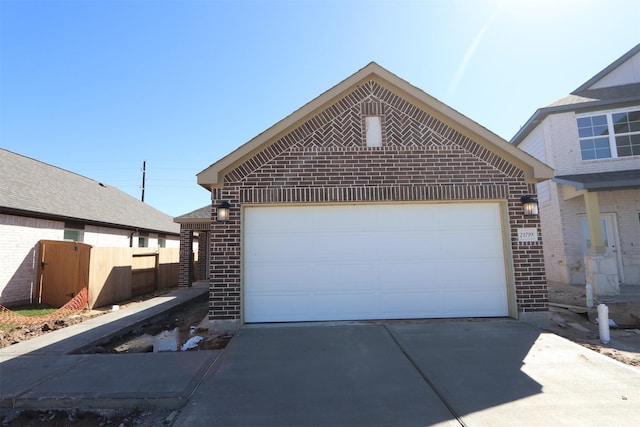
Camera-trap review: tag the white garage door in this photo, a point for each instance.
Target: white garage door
(389, 261)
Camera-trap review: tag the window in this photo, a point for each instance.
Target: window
(162, 241)
(609, 135)
(73, 231)
(627, 132)
(143, 240)
(73, 235)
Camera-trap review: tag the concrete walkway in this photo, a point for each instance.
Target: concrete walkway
(45, 373)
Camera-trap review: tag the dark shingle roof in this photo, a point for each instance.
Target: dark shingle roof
(200, 215)
(615, 94)
(585, 99)
(34, 188)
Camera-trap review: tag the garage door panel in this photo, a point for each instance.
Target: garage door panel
(408, 244)
(291, 307)
(261, 221)
(338, 277)
(345, 306)
(337, 247)
(277, 278)
(408, 275)
(348, 262)
(473, 216)
(484, 274)
(474, 303)
(274, 248)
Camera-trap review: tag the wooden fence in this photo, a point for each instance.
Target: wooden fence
(118, 274)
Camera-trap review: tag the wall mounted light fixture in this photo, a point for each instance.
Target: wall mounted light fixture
(529, 205)
(222, 211)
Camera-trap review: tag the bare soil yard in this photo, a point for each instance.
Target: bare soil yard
(581, 327)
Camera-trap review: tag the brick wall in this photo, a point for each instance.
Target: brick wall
(186, 274)
(325, 160)
(19, 255)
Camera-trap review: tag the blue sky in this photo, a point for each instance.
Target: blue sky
(98, 87)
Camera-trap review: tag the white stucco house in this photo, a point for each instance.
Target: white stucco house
(590, 211)
(39, 201)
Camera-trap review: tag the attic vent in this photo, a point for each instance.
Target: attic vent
(373, 128)
(101, 184)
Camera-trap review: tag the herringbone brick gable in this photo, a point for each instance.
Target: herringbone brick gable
(340, 127)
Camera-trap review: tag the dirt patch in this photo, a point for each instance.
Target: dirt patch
(75, 418)
(179, 329)
(579, 325)
(26, 332)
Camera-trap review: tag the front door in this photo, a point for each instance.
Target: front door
(610, 235)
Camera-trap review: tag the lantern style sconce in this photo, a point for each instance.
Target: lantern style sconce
(222, 211)
(529, 205)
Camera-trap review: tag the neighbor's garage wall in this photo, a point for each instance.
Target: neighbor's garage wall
(325, 160)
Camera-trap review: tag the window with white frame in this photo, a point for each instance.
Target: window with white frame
(609, 134)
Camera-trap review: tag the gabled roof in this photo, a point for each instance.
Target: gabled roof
(200, 215)
(589, 96)
(32, 188)
(608, 70)
(534, 170)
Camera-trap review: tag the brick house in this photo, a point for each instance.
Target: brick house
(374, 201)
(592, 206)
(39, 201)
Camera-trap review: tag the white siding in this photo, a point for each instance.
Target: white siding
(627, 73)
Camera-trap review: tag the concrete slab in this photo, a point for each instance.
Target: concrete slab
(339, 375)
(144, 380)
(505, 373)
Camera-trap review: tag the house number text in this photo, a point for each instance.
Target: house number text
(527, 234)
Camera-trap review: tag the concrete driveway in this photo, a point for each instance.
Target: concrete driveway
(460, 372)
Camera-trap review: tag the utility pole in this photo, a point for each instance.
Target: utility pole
(144, 171)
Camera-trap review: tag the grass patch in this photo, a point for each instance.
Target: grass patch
(33, 309)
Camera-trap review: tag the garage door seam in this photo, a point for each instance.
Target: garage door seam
(425, 377)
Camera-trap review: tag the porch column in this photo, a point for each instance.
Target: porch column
(185, 278)
(593, 217)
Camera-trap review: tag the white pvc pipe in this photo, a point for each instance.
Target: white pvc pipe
(603, 323)
(589, 290)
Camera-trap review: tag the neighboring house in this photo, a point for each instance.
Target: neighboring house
(590, 211)
(374, 201)
(43, 202)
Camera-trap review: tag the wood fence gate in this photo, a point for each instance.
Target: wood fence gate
(63, 271)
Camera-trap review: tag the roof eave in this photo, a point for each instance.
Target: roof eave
(55, 217)
(542, 113)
